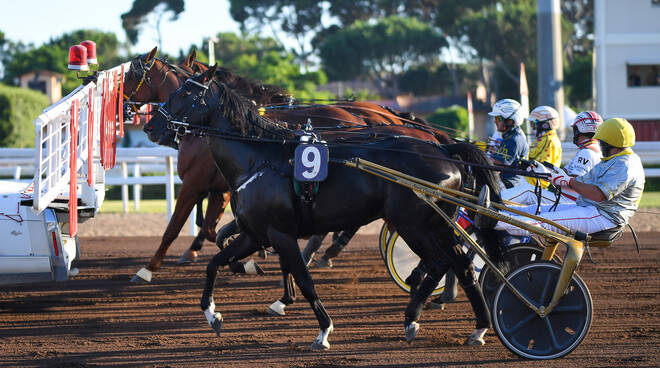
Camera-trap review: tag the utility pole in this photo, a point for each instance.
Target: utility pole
(550, 67)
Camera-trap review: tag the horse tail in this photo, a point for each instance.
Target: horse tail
(493, 240)
(482, 175)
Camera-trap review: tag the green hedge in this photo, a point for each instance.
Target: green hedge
(18, 109)
(453, 117)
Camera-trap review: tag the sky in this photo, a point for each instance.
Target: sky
(37, 21)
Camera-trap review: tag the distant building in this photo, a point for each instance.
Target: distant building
(628, 63)
(44, 81)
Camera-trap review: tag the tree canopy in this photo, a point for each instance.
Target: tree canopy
(379, 51)
(265, 60)
(134, 19)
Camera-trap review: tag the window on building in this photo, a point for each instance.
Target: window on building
(643, 75)
(38, 85)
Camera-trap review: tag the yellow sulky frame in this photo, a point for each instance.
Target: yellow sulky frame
(430, 192)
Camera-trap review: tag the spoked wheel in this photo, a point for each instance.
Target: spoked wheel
(400, 261)
(517, 255)
(523, 331)
(384, 237)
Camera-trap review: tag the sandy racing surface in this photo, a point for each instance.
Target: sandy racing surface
(98, 319)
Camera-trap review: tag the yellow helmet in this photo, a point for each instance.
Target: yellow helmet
(617, 132)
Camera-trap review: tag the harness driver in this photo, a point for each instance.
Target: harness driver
(608, 195)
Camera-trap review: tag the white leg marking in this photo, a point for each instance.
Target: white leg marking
(276, 309)
(410, 331)
(250, 269)
(477, 337)
(321, 342)
(144, 274)
(210, 314)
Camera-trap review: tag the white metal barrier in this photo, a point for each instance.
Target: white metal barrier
(86, 113)
(75, 142)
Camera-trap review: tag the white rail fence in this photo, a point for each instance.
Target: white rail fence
(157, 166)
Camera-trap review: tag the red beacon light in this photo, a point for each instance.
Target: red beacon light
(90, 46)
(78, 58)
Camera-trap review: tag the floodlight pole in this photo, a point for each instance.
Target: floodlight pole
(550, 67)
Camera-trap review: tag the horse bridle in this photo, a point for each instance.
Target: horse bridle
(144, 78)
(182, 127)
(145, 70)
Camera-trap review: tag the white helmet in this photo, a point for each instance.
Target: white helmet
(508, 109)
(544, 117)
(587, 122)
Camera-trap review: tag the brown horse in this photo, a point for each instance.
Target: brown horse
(195, 166)
(151, 80)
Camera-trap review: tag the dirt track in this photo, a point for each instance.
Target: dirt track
(99, 319)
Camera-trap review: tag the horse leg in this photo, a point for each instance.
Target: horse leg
(250, 267)
(227, 230)
(240, 248)
(184, 204)
(416, 277)
(207, 224)
(292, 260)
(214, 210)
(277, 308)
(190, 255)
(313, 244)
(464, 271)
(436, 269)
(338, 244)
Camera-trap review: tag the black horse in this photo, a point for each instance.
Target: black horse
(253, 155)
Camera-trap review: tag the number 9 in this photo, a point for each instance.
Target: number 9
(313, 166)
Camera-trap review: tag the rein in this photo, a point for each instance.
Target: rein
(183, 128)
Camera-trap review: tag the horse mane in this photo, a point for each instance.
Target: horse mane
(244, 117)
(261, 94)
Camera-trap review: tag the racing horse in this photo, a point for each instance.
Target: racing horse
(150, 79)
(253, 155)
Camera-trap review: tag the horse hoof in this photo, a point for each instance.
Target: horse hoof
(321, 343)
(434, 305)
(410, 331)
(319, 346)
(216, 325)
(188, 257)
(323, 263)
(276, 309)
(477, 338)
(252, 268)
(142, 277)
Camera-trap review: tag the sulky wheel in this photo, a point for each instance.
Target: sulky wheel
(524, 332)
(401, 260)
(383, 238)
(517, 255)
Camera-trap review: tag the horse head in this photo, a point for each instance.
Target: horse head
(191, 103)
(137, 79)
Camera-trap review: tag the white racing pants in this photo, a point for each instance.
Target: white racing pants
(585, 219)
(524, 194)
